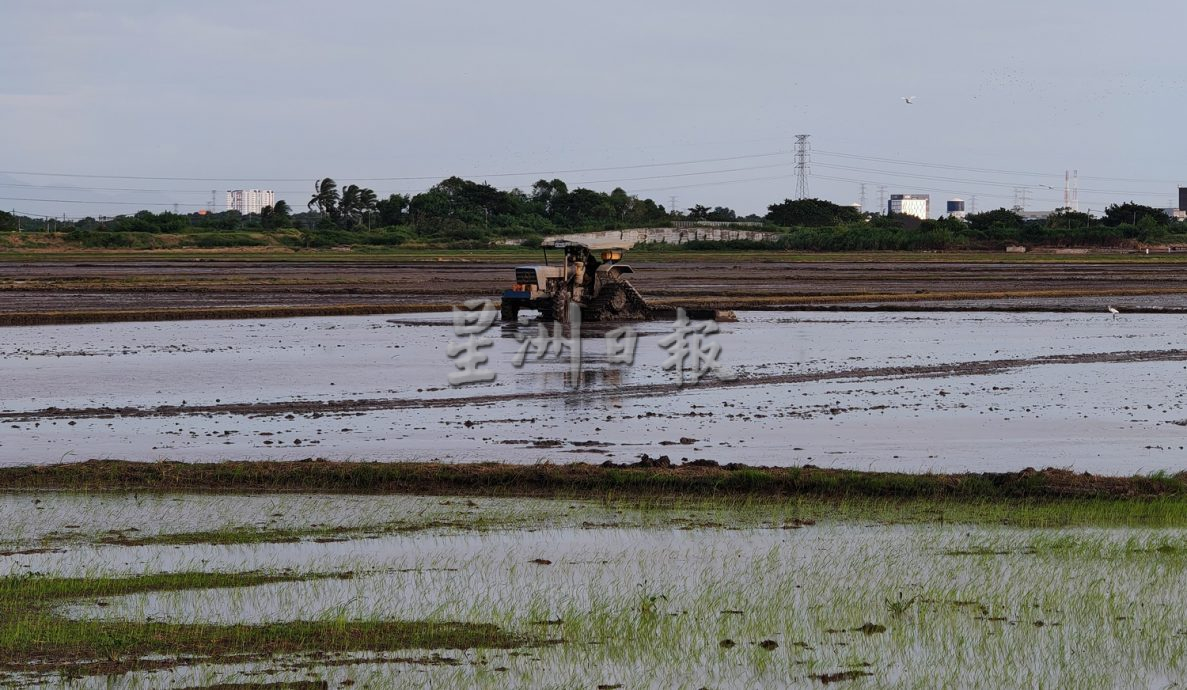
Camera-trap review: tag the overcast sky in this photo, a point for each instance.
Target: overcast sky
(379, 89)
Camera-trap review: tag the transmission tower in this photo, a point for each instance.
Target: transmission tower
(882, 199)
(973, 203)
(803, 159)
(862, 199)
(1075, 190)
(672, 208)
(1020, 199)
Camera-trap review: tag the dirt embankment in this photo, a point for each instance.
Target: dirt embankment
(650, 477)
(120, 290)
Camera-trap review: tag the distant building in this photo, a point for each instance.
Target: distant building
(249, 200)
(956, 208)
(1183, 198)
(1176, 213)
(918, 205)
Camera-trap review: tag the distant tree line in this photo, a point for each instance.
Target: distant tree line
(463, 213)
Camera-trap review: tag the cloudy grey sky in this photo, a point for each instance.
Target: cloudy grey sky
(238, 91)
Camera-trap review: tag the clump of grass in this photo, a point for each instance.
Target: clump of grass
(897, 607)
(252, 535)
(34, 637)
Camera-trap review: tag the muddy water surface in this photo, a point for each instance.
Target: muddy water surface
(911, 391)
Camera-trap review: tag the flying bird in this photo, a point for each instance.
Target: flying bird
(909, 99)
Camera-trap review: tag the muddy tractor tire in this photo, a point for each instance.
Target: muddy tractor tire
(556, 308)
(617, 301)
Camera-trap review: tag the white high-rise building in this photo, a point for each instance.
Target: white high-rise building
(918, 205)
(249, 200)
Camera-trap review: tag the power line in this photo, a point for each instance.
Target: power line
(993, 183)
(802, 161)
(998, 171)
(716, 183)
(944, 191)
(30, 214)
(304, 191)
(637, 166)
(114, 203)
(806, 162)
(294, 192)
(899, 161)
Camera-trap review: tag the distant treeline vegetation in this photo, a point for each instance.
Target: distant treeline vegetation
(465, 214)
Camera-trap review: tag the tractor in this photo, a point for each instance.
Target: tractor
(590, 275)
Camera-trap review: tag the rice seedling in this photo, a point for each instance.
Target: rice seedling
(728, 593)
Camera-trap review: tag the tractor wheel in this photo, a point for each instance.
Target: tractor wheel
(555, 308)
(560, 307)
(510, 310)
(617, 302)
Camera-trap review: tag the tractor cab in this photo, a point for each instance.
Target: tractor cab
(530, 281)
(588, 275)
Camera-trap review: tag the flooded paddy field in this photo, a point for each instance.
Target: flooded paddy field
(549, 571)
(583, 594)
(902, 391)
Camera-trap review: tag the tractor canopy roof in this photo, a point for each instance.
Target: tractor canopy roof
(592, 243)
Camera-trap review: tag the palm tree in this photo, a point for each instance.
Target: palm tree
(325, 197)
(348, 207)
(368, 202)
(276, 216)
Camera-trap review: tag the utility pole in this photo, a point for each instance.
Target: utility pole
(803, 159)
(863, 197)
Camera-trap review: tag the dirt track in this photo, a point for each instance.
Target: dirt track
(45, 287)
(357, 406)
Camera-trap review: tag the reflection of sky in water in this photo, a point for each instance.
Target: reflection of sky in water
(1099, 417)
